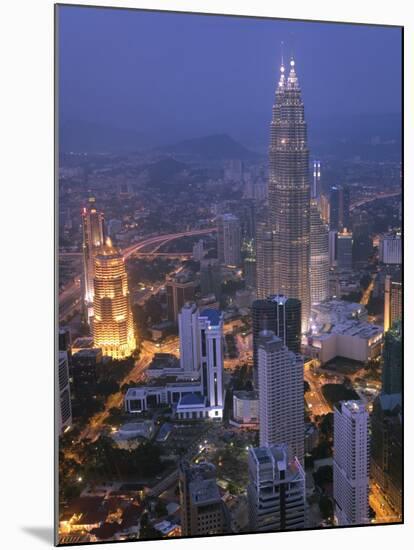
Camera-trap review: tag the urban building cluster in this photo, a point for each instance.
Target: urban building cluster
(269, 343)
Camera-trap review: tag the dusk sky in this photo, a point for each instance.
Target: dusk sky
(174, 76)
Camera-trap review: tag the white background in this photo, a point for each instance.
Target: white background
(26, 256)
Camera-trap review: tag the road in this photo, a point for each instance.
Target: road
(367, 292)
(314, 397)
(384, 513)
(69, 298)
(384, 195)
(159, 240)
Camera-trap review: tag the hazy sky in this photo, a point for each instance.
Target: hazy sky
(170, 76)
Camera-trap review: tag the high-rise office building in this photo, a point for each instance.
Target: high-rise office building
(276, 490)
(281, 315)
(249, 272)
(339, 208)
(289, 192)
(84, 370)
(229, 239)
(65, 339)
(334, 208)
(392, 360)
(210, 323)
(189, 337)
(392, 300)
(386, 449)
(198, 251)
(266, 277)
(332, 247)
(64, 415)
(93, 240)
(324, 207)
(362, 247)
(202, 354)
(316, 181)
(344, 250)
(344, 207)
(246, 212)
(210, 277)
(351, 463)
(202, 509)
(390, 249)
(113, 329)
(319, 256)
(281, 408)
(180, 290)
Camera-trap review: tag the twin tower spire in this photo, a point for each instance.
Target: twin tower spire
(291, 82)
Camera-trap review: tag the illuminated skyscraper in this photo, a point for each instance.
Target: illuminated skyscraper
(113, 330)
(289, 192)
(319, 256)
(392, 300)
(93, 240)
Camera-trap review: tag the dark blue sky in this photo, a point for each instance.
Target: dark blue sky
(172, 76)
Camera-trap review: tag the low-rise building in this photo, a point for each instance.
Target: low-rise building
(354, 340)
(246, 408)
(333, 312)
(311, 437)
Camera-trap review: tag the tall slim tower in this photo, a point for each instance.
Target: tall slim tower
(289, 191)
(229, 239)
(93, 240)
(392, 300)
(319, 256)
(113, 329)
(282, 316)
(281, 409)
(188, 330)
(351, 463)
(344, 242)
(210, 324)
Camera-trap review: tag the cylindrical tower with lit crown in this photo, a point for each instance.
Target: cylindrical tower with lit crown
(112, 322)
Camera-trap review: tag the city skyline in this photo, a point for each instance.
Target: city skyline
(230, 321)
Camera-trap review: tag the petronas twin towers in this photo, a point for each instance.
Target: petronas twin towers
(289, 196)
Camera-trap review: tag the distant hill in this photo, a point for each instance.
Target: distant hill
(213, 147)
